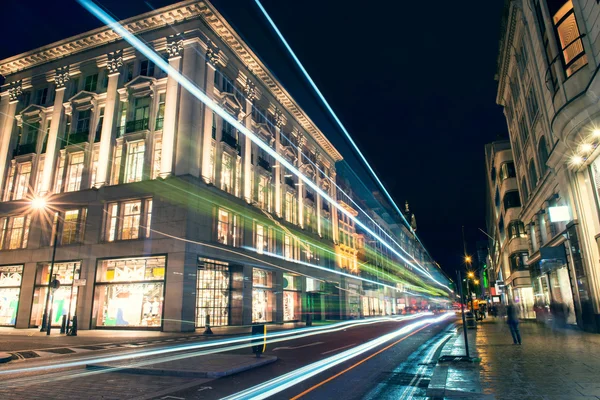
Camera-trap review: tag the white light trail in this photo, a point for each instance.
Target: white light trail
(286, 381)
(200, 95)
(335, 117)
(231, 343)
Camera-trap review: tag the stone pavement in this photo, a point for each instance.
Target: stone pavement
(550, 365)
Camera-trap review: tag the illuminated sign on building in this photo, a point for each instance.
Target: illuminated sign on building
(559, 214)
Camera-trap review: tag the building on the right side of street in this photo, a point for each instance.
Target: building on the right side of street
(548, 84)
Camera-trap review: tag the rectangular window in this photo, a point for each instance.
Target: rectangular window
(223, 227)
(74, 172)
(72, 227)
(160, 115)
(129, 72)
(83, 121)
(135, 162)
(15, 232)
(94, 174)
(226, 172)
(147, 68)
(41, 96)
(91, 83)
(532, 104)
(116, 171)
(569, 37)
(263, 193)
(287, 247)
(156, 162)
(126, 220)
(99, 126)
(60, 173)
(290, 208)
(261, 242)
(22, 180)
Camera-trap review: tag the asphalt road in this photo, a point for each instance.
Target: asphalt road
(399, 368)
(388, 369)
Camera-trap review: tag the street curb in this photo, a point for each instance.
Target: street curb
(182, 374)
(5, 357)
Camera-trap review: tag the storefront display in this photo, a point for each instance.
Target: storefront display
(64, 299)
(10, 289)
(561, 291)
(292, 303)
(263, 299)
(213, 293)
(129, 293)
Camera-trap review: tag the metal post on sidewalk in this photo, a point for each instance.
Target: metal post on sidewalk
(207, 330)
(464, 320)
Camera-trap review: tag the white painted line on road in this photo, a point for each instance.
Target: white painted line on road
(297, 347)
(339, 348)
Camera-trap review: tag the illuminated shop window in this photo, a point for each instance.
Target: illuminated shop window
(263, 298)
(223, 227)
(129, 292)
(10, 288)
(22, 180)
(64, 299)
(292, 300)
(213, 292)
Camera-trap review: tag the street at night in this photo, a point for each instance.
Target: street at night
(252, 199)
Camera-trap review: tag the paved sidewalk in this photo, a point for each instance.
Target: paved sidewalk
(550, 365)
(31, 343)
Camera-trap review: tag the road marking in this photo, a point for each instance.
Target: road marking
(339, 348)
(310, 389)
(204, 388)
(297, 347)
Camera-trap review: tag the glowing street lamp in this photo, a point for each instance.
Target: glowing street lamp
(40, 204)
(471, 274)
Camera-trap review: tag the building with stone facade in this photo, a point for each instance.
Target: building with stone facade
(548, 84)
(161, 212)
(508, 245)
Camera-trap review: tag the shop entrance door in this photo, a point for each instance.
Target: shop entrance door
(314, 306)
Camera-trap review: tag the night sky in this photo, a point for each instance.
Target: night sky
(413, 83)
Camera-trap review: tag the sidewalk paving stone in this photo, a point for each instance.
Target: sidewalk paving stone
(550, 365)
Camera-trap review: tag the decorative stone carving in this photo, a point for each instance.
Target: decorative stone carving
(174, 45)
(301, 141)
(250, 90)
(212, 54)
(115, 61)
(279, 118)
(62, 77)
(15, 90)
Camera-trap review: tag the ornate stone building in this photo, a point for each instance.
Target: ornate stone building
(548, 84)
(160, 211)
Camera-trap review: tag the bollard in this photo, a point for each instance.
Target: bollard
(73, 331)
(207, 331)
(63, 324)
(258, 349)
(309, 319)
(471, 324)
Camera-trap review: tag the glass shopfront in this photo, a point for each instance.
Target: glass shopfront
(263, 299)
(10, 289)
(213, 292)
(129, 293)
(63, 299)
(292, 300)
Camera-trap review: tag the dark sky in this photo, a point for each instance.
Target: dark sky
(412, 81)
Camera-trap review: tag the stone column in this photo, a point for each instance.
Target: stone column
(300, 187)
(334, 211)
(52, 149)
(174, 48)
(278, 174)
(247, 296)
(8, 106)
(247, 155)
(115, 62)
(318, 198)
(209, 83)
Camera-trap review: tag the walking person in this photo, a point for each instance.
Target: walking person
(512, 319)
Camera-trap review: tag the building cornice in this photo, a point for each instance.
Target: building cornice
(505, 49)
(156, 19)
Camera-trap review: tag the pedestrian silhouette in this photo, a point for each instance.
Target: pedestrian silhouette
(512, 319)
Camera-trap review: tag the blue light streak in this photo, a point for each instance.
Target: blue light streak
(197, 92)
(286, 381)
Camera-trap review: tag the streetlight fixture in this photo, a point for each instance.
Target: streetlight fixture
(40, 204)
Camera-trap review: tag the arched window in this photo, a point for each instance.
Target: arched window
(533, 178)
(524, 191)
(543, 155)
